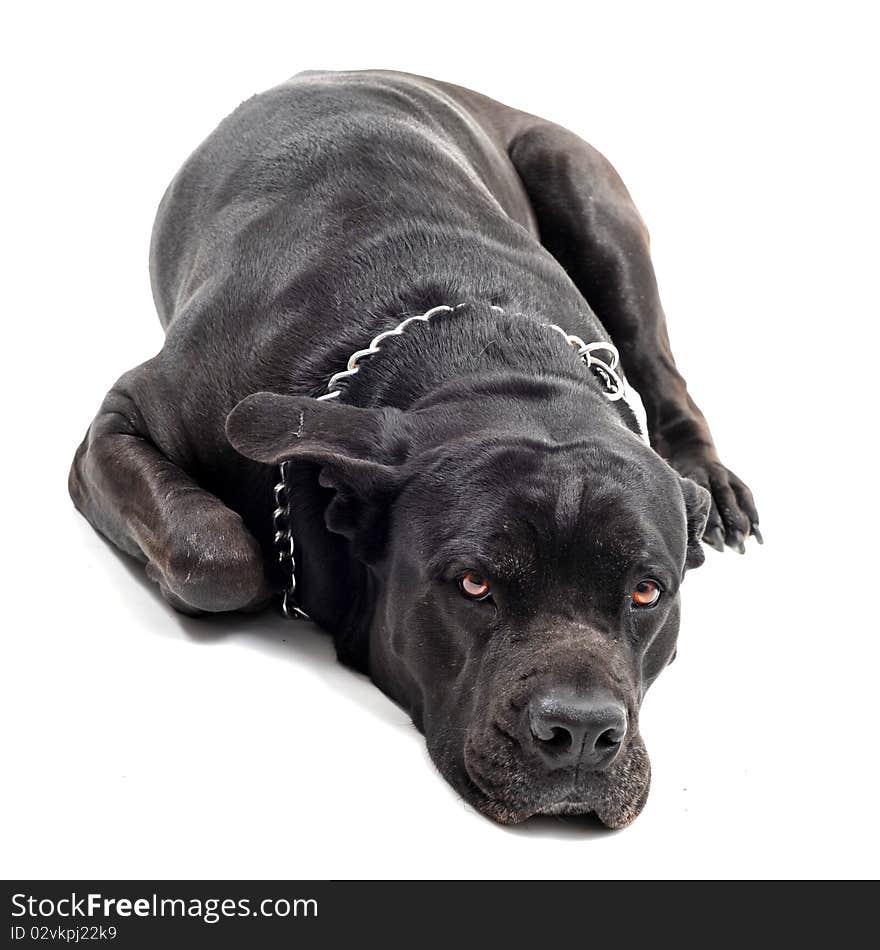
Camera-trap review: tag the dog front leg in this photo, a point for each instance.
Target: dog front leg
(589, 223)
(198, 551)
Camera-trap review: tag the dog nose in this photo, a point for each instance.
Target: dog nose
(577, 728)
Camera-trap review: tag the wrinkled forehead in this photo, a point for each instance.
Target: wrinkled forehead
(554, 500)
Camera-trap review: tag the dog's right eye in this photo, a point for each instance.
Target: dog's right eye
(474, 586)
(646, 594)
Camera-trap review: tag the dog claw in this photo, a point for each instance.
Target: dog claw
(715, 539)
(756, 534)
(735, 539)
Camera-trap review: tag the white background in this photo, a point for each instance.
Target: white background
(137, 743)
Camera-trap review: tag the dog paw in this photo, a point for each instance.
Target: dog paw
(212, 564)
(733, 516)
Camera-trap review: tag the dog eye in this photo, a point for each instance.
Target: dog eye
(646, 594)
(474, 586)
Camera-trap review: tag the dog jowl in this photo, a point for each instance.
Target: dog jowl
(478, 521)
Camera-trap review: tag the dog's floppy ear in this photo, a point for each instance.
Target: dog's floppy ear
(697, 501)
(354, 448)
(269, 427)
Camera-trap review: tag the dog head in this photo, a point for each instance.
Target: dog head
(525, 558)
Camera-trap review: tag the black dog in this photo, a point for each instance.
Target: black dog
(476, 518)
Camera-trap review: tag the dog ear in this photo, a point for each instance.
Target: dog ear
(355, 450)
(697, 502)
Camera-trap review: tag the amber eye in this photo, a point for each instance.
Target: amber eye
(474, 586)
(646, 594)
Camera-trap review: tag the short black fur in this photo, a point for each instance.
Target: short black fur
(318, 214)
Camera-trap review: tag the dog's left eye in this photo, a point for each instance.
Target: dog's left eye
(646, 594)
(474, 586)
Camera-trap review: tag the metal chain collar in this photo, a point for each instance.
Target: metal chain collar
(615, 388)
(285, 545)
